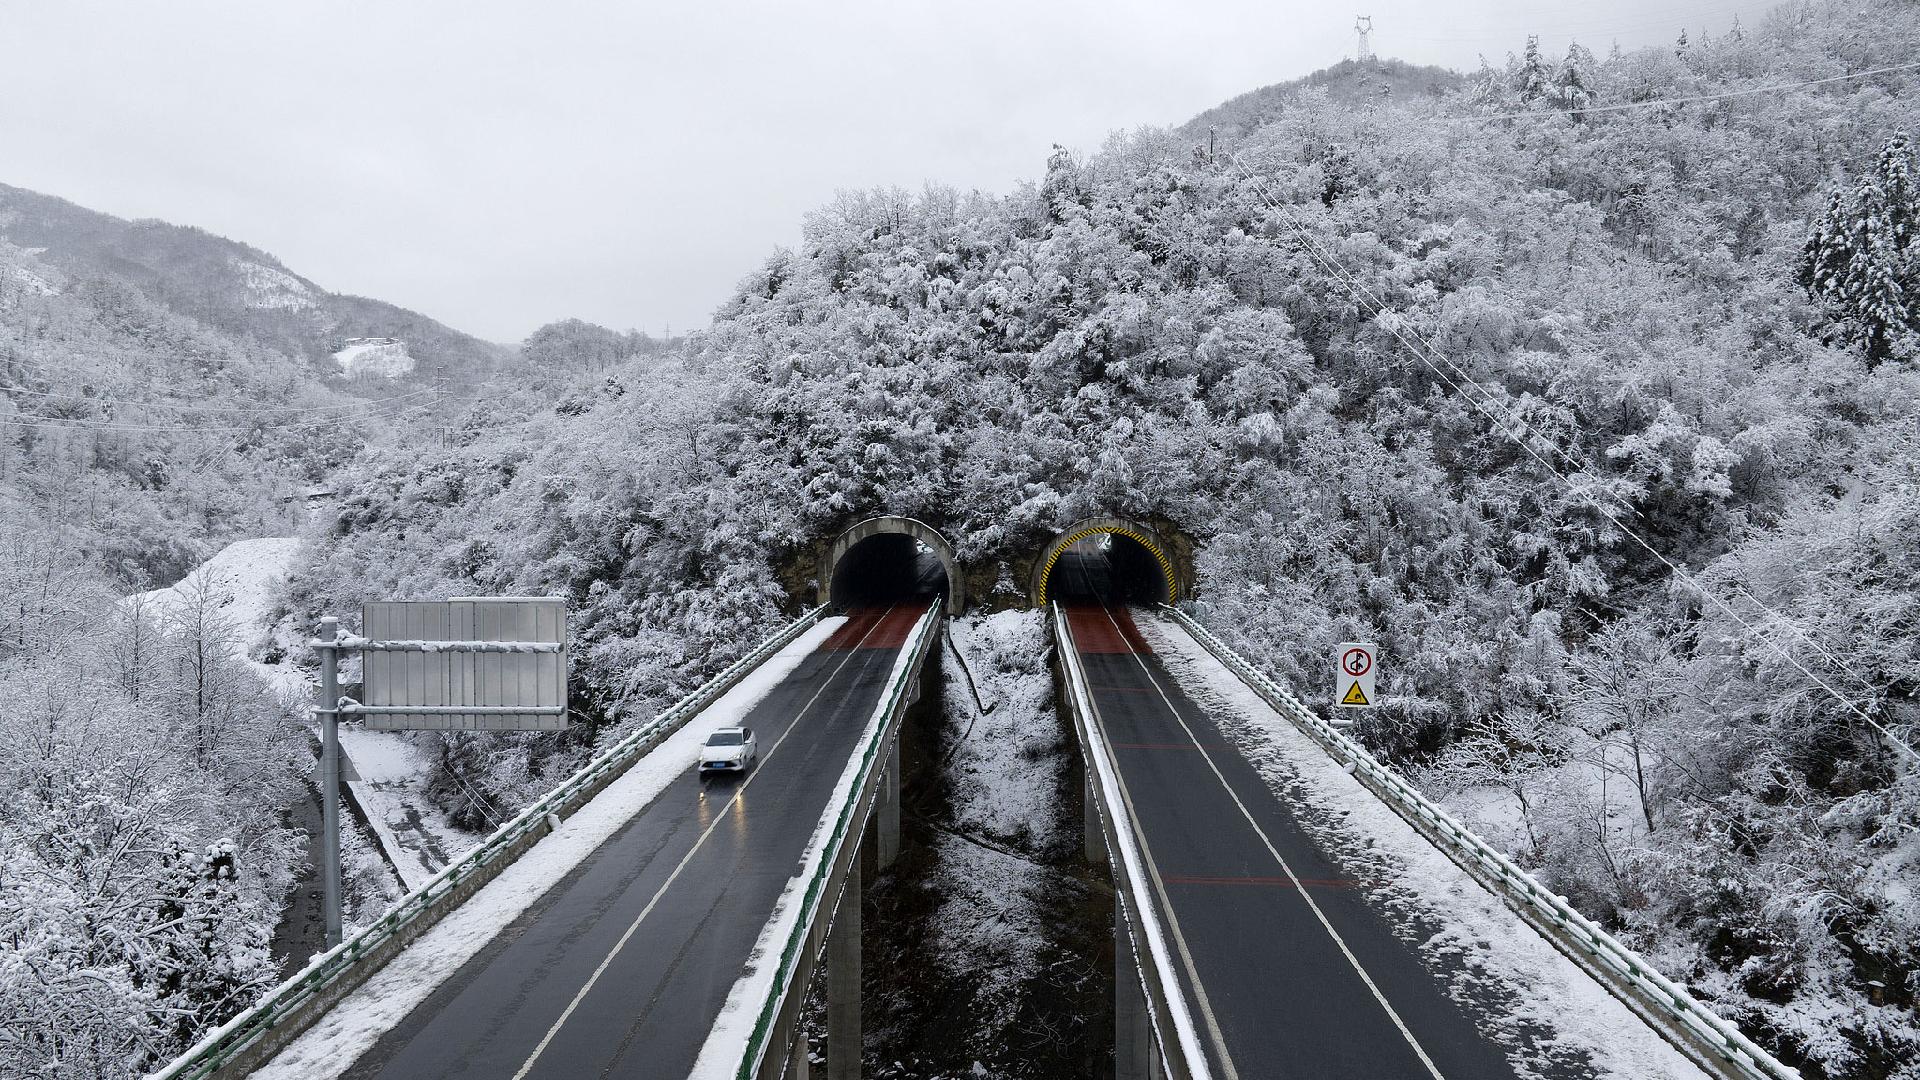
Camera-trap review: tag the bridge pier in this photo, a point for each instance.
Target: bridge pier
(798, 1064)
(1133, 1056)
(887, 829)
(843, 983)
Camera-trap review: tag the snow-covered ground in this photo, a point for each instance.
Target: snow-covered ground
(243, 581)
(374, 356)
(992, 768)
(1489, 952)
(387, 775)
(385, 772)
(331, 1046)
(995, 897)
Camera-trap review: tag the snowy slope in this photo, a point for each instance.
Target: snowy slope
(272, 289)
(387, 775)
(243, 580)
(386, 357)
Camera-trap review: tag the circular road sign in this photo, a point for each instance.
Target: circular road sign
(1356, 662)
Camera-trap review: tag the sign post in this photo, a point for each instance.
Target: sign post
(1355, 664)
(483, 663)
(329, 712)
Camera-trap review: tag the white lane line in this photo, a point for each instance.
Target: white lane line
(1291, 876)
(732, 804)
(1153, 870)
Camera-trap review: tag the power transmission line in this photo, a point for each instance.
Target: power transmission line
(1364, 296)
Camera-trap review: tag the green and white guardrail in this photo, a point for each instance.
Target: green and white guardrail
(327, 972)
(759, 1041)
(1654, 991)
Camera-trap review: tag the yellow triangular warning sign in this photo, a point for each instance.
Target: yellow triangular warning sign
(1354, 696)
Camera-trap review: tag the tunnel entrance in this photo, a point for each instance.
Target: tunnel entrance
(884, 570)
(1105, 563)
(890, 560)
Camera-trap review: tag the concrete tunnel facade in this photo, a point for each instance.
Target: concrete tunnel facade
(895, 538)
(863, 561)
(1170, 551)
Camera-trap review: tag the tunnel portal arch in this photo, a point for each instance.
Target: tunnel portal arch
(902, 526)
(1146, 536)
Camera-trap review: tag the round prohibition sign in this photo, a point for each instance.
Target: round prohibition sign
(1356, 662)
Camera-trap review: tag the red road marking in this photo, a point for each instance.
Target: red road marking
(1310, 883)
(1095, 631)
(889, 629)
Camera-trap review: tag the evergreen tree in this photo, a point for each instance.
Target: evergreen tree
(1573, 85)
(1861, 259)
(1535, 78)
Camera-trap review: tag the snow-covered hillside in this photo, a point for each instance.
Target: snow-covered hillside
(241, 581)
(383, 356)
(269, 288)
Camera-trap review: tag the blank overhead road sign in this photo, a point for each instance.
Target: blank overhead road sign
(1355, 664)
(495, 663)
(470, 663)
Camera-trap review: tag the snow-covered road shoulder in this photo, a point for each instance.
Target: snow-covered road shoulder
(330, 1047)
(1554, 1012)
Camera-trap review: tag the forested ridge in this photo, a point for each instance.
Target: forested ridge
(1692, 325)
(1155, 331)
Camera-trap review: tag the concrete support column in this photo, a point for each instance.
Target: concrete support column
(1096, 840)
(1133, 1053)
(797, 1063)
(887, 836)
(843, 984)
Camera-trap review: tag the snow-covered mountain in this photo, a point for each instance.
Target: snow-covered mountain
(240, 289)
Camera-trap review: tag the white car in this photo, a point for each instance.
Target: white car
(730, 749)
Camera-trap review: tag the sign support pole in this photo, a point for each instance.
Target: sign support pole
(330, 774)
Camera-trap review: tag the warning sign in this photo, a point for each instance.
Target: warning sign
(1355, 664)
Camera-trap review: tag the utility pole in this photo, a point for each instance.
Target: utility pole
(1363, 26)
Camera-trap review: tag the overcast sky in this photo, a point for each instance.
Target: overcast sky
(498, 165)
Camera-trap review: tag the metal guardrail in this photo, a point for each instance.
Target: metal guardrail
(323, 972)
(760, 1040)
(1183, 1055)
(1712, 1032)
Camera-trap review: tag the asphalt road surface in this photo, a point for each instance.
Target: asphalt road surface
(1288, 968)
(621, 969)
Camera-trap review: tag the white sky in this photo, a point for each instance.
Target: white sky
(498, 165)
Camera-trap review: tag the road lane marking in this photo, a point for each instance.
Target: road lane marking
(1298, 884)
(867, 658)
(1159, 885)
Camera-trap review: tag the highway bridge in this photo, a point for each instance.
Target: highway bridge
(644, 921)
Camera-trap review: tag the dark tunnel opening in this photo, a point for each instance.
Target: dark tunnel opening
(887, 569)
(1108, 569)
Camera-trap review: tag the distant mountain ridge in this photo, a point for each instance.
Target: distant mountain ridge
(1353, 81)
(239, 288)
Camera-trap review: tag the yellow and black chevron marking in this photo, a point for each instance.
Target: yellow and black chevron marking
(1060, 547)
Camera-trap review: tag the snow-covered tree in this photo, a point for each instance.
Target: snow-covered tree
(1862, 257)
